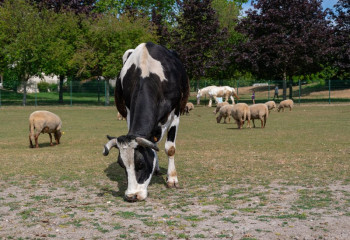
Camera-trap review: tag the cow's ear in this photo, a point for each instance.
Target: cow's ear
(146, 143)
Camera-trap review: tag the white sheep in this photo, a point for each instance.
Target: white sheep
(224, 112)
(240, 112)
(44, 122)
(189, 107)
(259, 111)
(218, 106)
(285, 104)
(271, 105)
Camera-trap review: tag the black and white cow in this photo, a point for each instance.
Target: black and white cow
(151, 91)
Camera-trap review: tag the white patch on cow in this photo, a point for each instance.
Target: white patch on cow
(128, 117)
(172, 175)
(126, 54)
(141, 58)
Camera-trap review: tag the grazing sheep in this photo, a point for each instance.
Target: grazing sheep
(224, 112)
(271, 105)
(218, 106)
(189, 107)
(285, 104)
(240, 112)
(259, 111)
(44, 122)
(120, 117)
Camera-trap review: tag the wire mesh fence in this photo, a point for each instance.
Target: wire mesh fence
(100, 92)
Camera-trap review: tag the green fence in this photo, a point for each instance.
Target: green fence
(101, 92)
(326, 91)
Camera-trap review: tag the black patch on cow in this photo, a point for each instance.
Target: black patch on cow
(143, 163)
(171, 134)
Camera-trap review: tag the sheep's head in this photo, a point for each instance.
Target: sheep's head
(138, 158)
(58, 134)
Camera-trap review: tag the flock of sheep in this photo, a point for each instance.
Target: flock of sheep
(47, 122)
(241, 112)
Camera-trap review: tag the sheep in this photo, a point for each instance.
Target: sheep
(284, 104)
(218, 106)
(224, 112)
(259, 111)
(240, 112)
(44, 122)
(120, 117)
(271, 105)
(189, 107)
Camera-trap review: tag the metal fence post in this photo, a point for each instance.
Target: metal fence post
(299, 90)
(36, 92)
(0, 97)
(268, 93)
(105, 92)
(329, 90)
(71, 100)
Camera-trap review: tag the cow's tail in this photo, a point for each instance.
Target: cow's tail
(185, 93)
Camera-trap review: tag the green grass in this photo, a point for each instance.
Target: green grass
(309, 145)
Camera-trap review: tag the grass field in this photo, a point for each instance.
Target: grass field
(289, 180)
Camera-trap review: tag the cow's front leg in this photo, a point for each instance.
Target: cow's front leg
(172, 180)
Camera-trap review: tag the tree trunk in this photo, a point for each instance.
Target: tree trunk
(98, 89)
(284, 85)
(290, 88)
(24, 101)
(60, 94)
(1, 81)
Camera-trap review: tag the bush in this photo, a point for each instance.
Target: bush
(43, 86)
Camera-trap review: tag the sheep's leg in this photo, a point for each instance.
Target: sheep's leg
(30, 141)
(172, 180)
(262, 122)
(265, 118)
(36, 136)
(51, 144)
(253, 123)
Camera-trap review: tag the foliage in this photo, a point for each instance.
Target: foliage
(198, 38)
(25, 39)
(284, 38)
(76, 6)
(341, 44)
(106, 40)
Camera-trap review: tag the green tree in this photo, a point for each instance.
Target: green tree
(62, 38)
(107, 38)
(23, 29)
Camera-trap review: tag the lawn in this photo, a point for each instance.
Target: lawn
(287, 180)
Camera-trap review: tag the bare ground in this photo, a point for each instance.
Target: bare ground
(44, 210)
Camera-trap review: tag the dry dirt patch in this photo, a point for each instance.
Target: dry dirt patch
(45, 210)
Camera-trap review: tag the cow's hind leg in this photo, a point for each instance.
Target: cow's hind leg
(172, 180)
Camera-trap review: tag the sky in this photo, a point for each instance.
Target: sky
(325, 4)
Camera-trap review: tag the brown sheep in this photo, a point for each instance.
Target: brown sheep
(271, 105)
(240, 112)
(224, 112)
(44, 122)
(259, 111)
(285, 104)
(189, 107)
(218, 106)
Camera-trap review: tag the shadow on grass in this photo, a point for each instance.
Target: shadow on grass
(117, 174)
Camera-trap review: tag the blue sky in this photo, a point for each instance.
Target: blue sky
(325, 4)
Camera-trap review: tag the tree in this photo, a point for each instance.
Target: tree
(22, 28)
(284, 38)
(198, 38)
(77, 6)
(341, 43)
(107, 38)
(61, 37)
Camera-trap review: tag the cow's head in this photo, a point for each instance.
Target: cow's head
(138, 158)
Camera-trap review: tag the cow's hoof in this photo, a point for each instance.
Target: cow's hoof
(173, 185)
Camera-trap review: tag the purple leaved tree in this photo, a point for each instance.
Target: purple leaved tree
(283, 39)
